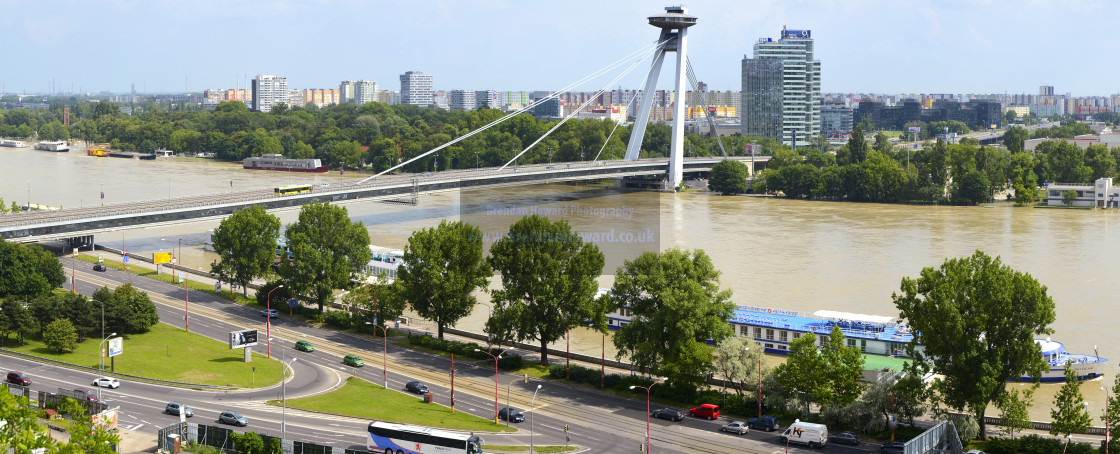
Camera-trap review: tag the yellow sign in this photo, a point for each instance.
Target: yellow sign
(161, 257)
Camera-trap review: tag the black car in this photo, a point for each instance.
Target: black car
(511, 415)
(416, 387)
(847, 438)
(99, 267)
(767, 423)
(671, 414)
(893, 447)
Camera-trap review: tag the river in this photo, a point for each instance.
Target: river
(795, 255)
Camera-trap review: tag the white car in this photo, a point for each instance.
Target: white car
(107, 382)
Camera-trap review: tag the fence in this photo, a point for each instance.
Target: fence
(51, 400)
(941, 437)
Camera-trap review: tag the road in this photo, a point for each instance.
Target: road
(597, 421)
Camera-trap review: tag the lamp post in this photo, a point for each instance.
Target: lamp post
(268, 318)
(532, 406)
(101, 362)
(568, 355)
(495, 379)
(759, 380)
(526, 378)
(187, 299)
(384, 350)
(284, 392)
(1107, 424)
(74, 269)
(659, 380)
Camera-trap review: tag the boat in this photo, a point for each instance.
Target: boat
(52, 146)
(382, 261)
(279, 162)
(95, 151)
(1057, 358)
(12, 143)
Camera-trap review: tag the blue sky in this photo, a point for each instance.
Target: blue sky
(899, 46)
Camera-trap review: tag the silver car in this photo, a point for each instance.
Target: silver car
(736, 427)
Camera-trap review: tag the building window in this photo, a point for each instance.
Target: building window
(782, 336)
(758, 333)
(824, 340)
(744, 331)
(769, 334)
(851, 342)
(781, 347)
(862, 346)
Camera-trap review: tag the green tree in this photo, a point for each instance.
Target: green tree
(1069, 197)
(1100, 160)
(736, 360)
(61, 336)
(1010, 116)
(440, 270)
(882, 143)
(249, 442)
(677, 306)
(532, 307)
(301, 151)
(28, 270)
(344, 153)
(14, 317)
(828, 375)
(246, 245)
(783, 157)
(328, 251)
(1014, 408)
(973, 188)
(975, 321)
(1111, 414)
(1014, 139)
(85, 438)
(127, 310)
(21, 431)
(857, 146)
(1069, 415)
(378, 299)
(728, 177)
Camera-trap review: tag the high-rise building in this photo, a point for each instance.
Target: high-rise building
(269, 90)
(416, 88)
(782, 89)
(357, 91)
(462, 100)
(490, 98)
(1046, 90)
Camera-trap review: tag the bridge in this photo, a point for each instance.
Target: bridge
(78, 225)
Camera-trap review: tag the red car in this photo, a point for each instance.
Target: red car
(708, 411)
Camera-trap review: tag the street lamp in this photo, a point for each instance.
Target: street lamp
(74, 269)
(1107, 425)
(659, 380)
(495, 379)
(532, 406)
(759, 380)
(526, 378)
(187, 299)
(268, 318)
(101, 362)
(384, 350)
(284, 390)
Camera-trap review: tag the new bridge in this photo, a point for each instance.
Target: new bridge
(79, 224)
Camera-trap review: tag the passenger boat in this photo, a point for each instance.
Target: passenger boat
(1086, 366)
(12, 143)
(382, 260)
(279, 162)
(52, 146)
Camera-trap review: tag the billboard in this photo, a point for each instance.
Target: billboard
(161, 257)
(242, 339)
(915, 129)
(106, 420)
(116, 346)
(796, 34)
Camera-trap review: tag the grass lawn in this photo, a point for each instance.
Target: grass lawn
(526, 448)
(195, 359)
(365, 400)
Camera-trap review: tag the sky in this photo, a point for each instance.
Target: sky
(865, 46)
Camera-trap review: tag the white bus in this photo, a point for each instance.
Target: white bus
(391, 438)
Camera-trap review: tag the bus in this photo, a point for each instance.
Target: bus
(293, 189)
(391, 438)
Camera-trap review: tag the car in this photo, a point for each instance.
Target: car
(304, 346)
(511, 415)
(847, 438)
(974, 451)
(352, 360)
(173, 408)
(416, 387)
(99, 267)
(18, 378)
(270, 313)
(89, 393)
(671, 414)
(106, 382)
(893, 447)
(736, 427)
(233, 418)
(708, 411)
(767, 423)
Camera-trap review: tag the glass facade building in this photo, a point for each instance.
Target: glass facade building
(781, 95)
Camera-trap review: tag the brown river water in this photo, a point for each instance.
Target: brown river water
(795, 255)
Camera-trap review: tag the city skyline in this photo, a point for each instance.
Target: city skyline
(864, 46)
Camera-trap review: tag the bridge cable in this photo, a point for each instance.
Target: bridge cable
(614, 128)
(581, 106)
(642, 52)
(703, 98)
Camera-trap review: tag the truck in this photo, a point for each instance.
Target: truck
(806, 433)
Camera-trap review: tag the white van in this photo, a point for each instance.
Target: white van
(806, 433)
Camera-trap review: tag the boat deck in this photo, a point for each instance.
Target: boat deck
(796, 321)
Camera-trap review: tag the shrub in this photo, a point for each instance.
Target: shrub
(1034, 444)
(511, 362)
(1002, 446)
(339, 319)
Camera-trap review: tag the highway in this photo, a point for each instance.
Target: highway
(597, 421)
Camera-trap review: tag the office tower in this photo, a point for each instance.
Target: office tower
(462, 100)
(269, 90)
(416, 88)
(782, 89)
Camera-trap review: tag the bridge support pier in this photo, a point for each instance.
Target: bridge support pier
(81, 243)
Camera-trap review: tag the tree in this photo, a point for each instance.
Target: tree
(440, 270)
(249, 442)
(1069, 415)
(975, 321)
(328, 250)
(728, 177)
(1069, 197)
(21, 431)
(1014, 408)
(15, 317)
(973, 188)
(1010, 116)
(882, 143)
(344, 153)
(28, 270)
(378, 299)
(127, 310)
(1014, 138)
(1111, 415)
(246, 245)
(857, 146)
(736, 360)
(61, 336)
(828, 375)
(548, 282)
(676, 306)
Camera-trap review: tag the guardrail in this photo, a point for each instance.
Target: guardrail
(99, 371)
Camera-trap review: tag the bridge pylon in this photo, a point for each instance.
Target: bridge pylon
(674, 26)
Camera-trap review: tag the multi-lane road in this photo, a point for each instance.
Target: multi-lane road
(596, 421)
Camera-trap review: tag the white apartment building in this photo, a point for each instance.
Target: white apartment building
(269, 90)
(358, 91)
(416, 88)
(462, 100)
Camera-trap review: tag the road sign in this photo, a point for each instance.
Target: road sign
(124, 258)
(217, 285)
(160, 257)
(116, 346)
(293, 302)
